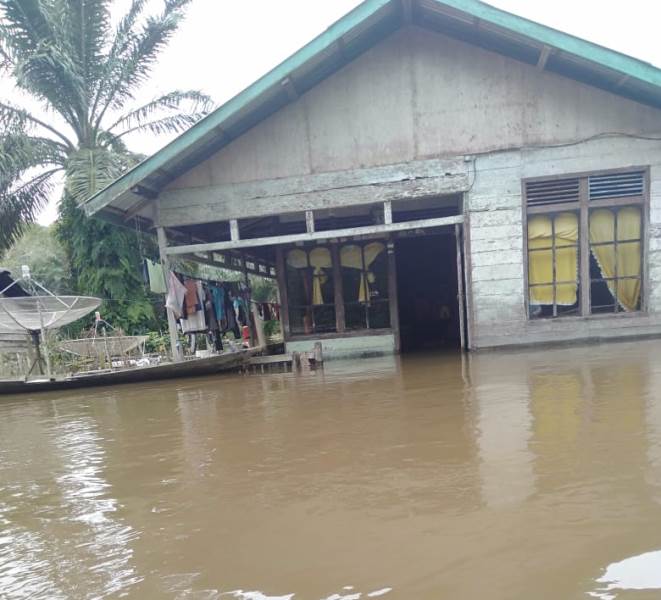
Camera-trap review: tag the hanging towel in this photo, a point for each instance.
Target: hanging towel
(176, 295)
(156, 279)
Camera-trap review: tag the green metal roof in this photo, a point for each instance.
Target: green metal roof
(469, 20)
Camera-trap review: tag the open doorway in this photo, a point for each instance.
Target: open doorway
(427, 288)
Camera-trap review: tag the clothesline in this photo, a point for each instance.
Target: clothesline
(207, 280)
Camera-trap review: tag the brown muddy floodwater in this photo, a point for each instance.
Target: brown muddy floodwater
(526, 475)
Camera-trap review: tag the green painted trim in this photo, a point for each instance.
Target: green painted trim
(542, 34)
(206, 126)
(605, 57)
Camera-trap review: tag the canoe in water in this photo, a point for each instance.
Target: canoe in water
(196, 367)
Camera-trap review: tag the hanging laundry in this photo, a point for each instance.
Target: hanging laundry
(218, 295)
(231, 322)
(209, 311)
(192, 300)
(176, 295)
(195, 320)
(156, 279)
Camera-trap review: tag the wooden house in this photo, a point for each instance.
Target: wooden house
(426, 172)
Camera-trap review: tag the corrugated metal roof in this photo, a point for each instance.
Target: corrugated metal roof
(469, 20)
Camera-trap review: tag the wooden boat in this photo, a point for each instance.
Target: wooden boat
(195, 367)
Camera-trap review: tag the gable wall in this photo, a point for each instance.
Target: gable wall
(418, 95)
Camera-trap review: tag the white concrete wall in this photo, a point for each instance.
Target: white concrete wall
(495, 206)
(418, 95)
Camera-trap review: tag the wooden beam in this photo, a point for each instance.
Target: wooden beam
(418, 179)
(461, 297)
(318, 235)
(281, 272)
(544, 57)
(393, 298)
(387, 212)
(290, 87)
(136, 208)
(228, 266)
(309, 221)
(340, 322)
(234, 230)
(584, 250)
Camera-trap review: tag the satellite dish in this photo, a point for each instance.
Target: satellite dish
(40, 312)
(34, 313)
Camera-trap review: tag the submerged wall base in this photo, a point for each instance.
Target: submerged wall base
(347, 347)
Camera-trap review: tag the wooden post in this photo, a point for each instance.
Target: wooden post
(460, 287)
(387, 212)
(393, 301)
(318, 353)
(259, 327)
(234, 230)
(175, 351)
(340, 323)
(584, 252)
(309, 221)
(281, 275)
(248, 301)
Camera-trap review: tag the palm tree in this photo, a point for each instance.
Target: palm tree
(82, 70)
(66, 55)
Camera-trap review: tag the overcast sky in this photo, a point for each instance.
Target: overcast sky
(225, 45)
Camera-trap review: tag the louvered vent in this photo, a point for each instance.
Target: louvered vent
(616, 185)
(555, 191)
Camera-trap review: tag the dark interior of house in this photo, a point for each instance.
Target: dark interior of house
(427, 291)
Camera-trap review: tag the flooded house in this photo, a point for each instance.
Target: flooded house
(426, 173)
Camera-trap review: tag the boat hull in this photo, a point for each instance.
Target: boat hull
(192, 368)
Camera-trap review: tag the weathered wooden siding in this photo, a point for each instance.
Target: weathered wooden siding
(418, 95)
(495, 206)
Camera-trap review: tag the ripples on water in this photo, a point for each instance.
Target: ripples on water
(503, 476)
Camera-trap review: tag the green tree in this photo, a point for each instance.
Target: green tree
(39, 249)
(84, 72)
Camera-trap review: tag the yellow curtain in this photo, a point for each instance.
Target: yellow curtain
(320, 259)
(602, 230)
(298, 259)
(350, 256)
(540, 258)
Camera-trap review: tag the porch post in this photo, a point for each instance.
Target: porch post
(251, 323)
(392, 294)
(282, 290)
(175, 351)
(338, 286)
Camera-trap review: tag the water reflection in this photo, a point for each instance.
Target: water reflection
(504, 427)
(402, 477)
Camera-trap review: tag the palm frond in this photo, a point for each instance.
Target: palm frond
(34, 37)
(89, 28)
(20, 204)
(20, 153)
(122, 39)
(131, 68)
(91, 170)
(12, 115)
(185, 108)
